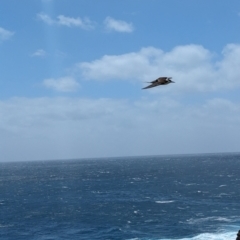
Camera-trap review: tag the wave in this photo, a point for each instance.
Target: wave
(211, 236)
(202, 236)
(169, 201)
(211, 219)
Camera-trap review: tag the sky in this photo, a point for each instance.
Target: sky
(72, 73)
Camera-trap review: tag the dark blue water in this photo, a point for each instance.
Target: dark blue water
(166, 197)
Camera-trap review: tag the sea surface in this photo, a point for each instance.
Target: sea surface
(187, 197)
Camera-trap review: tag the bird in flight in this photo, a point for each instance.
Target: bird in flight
(159, 81)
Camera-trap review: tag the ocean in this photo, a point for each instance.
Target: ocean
(186, 197)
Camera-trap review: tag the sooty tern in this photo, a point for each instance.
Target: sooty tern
(159, 81)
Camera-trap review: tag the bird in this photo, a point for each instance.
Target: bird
(159, 81)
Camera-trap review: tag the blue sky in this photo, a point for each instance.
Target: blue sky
(72, 71)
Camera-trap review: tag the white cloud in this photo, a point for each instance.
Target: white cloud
(118, 25)
(39, 53)
(50, 128)
(5, 34)
(64, 84)
(77, 22)
(67, 21)
(45, 18)
(130, 66)
(192, 67)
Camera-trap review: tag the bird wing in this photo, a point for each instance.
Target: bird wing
(151, 85)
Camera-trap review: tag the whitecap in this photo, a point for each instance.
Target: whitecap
(200, 220)
(6, 226)
(211, 236)
(169, 201)
(191, 184)
(137, 179)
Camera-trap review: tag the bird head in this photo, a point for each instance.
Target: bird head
(169, 80)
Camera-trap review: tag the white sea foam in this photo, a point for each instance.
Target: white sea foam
(211, 236)
(6, 226)
(200, 220)
(203, 236)
(169, 201)
(191, 184)
(137, 179)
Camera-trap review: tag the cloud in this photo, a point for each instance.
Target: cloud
(67, 21)
(45, 18)
(50, 128)
(5, 34)
(118, 25)
(192, 67)
(39, 53)
(64, 84)
(128, 66)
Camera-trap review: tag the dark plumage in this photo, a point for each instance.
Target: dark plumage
(159, 81)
